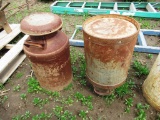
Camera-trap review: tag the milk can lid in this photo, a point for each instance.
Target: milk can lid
(42, 23)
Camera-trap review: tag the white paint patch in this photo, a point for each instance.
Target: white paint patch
(39, 19)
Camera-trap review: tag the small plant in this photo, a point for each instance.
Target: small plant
(40, 102)
(69, 87)
(109, 98)
(83, 82)
(19, 75)
(149, 56)
(1, 86)
(63, 114)
(23, 96)
(17, 88)
(42, 116)
(141, 114)
(125, 89)
(140, 69)
(34, 87)
(3, 99)
(87, 101)
(129, 103)
(68, 101)
(26, 116)
(83, 114)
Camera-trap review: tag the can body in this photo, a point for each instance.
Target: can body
(108, 60)
(51, 63)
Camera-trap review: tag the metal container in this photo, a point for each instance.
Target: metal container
(109, 42)
(48, 50)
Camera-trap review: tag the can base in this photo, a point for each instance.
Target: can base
(103, 92)
(103, 89)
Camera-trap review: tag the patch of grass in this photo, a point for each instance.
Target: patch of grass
(42, 116)
(83, 114)
(125, 89)
(149, 56)
(34, 87)
(17, 88)
(26, 116)
(141, 114)
(19, 75)
(87, 101)
(23, 96)
(109, 98)
(40, 102)
(129, 103)
(1, 86)
(69, 87)
(68, 100)
(140, 68)
(62, 114)
(3, 99)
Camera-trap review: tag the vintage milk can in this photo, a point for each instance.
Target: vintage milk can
(48, 50)
(109, 42)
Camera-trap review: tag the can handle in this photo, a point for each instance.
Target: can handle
(40, 44)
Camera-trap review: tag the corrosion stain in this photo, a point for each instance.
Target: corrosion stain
(109, 42)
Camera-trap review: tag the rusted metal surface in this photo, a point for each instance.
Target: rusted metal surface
(50, 58)
(38, 24)
(108, 56)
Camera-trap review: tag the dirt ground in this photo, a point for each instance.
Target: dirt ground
(17, 107)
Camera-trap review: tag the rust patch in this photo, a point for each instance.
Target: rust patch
(108, 56)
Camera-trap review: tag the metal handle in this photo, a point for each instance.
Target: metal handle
(39, 43)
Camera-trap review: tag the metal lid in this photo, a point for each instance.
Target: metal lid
(109, 28)
(41, 24)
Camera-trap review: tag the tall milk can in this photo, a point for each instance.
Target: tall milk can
(109, 42)
(47, 48)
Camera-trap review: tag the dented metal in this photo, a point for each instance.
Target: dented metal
(49, 55)
(108, 51)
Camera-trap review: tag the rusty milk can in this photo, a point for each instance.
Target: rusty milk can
(47, 48)
(109, 42)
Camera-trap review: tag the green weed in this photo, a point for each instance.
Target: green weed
(63, 114)
(40, 102)
(3, 99)
(83, 114)
(19, 75)
(140, 69)
(129, 103)
(1, 86)
(149, 56)
(34, 87)
(141, 114)
(87, 101)
(109, 98)
(42, 116)
(125, 89)
(68, 100)
(17, 88)
(69, 87)
(23, 96)
(26, 116)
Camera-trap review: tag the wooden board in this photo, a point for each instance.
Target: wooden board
(4, 33)
(14, 57)
(12, 66)
(11, 54)
(5, 40)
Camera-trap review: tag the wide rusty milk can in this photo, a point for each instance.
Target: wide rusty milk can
(47, 48)
(109, 42)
